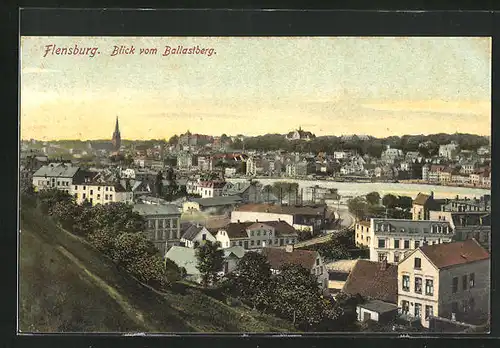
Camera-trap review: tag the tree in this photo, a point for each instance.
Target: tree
(373, 198)
(65, 213)
(102, 240)
(48, 199)
(174, 140)
(390, 201)
(405, 202)
(210, 261)
(253, 279)
(358, 207)
(118, 217)
(173, 273)
(298, 298)
(333, 250)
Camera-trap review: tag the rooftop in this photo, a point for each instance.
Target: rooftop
(156, 209)
(57, 170)
(278, 257)
(371, 281)
(191, 232)
(217, 201)
(283, 209)
(454, 254)
(379, 306)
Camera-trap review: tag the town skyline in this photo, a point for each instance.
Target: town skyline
(373, 86)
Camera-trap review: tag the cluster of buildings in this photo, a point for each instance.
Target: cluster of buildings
(433, 269)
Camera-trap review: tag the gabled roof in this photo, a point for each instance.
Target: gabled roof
(454, 254)
(237, 229)
(192, 232)
(278, 257)
(421, 199)
(58, 171)
(369, 280)
(236, 250)
(281, 228)
(156, 209)
(184, 257)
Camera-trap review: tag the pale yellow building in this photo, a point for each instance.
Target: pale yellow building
(362, 233)
(449, 280)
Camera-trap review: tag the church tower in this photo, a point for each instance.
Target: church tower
(116, 137)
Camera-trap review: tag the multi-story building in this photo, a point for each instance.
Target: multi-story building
(55, 176)
(362, 231)
(185, 160)
(100, 192)
(422, 205)
(449, 151)
(447, 280)
(390, 155)
(393, 239)
(312, 218)
(256, 235)
(162, 224)
(210, 189)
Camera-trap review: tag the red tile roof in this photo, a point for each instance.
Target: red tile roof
(369, 280)
(453, 254)
(278, 257)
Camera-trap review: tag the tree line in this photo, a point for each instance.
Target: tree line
(374, 206)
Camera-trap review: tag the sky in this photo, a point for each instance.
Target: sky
(252, 86)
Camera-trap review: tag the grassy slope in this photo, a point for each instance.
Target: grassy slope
(66, 285)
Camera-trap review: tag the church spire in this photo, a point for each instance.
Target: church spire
(117, 128)
(116, 136)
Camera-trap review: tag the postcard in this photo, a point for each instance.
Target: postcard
(270, 185)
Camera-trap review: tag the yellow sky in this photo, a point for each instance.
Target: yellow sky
(374, 86)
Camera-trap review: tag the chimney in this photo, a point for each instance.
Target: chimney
(432, 194)
(289, 248)
(383, 265)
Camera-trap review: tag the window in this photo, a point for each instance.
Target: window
(472, 280)
(396, 243)
(429, 287)
(382, 257)
(418, 285)
(91, 192)
(84, 187)
(98, 196)
(110, 197)
(252, 242)
(406, 283)
(240, 243)
(76, 187)
(428, 312)
(405, 307)
(251, 233)
(381, 243)
(58, 183)
(417, 244)
(105, 196)
(418, 310)
(396, 257)
(264, 232)
(258, 232)
(317, 262)
(106, 188)
(204, 236)
(84, 196)
(455, 285)
(407, 244)
(464, 282)
(98, 188)
(417, 263)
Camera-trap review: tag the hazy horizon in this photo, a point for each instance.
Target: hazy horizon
(255, 86)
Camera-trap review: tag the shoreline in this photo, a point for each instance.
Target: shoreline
(367, 181)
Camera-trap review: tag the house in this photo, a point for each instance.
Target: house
(374, 281)
(342, 154)
(300, 217)
(55, 175)
(185, 160)
(215, 205)
(194, 234)
(256, 235)
(162, 224)
(310, 260)
(393, 239)
(449, 151)
(250, 192)
(299, 134)
(210, 189)
(186, 257)
(390, 155)
(447, 280)
(376, 310)
(361, 230)
(422, 205)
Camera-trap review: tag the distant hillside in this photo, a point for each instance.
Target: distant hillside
(66, 285)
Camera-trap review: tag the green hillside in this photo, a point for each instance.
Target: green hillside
(66, 285)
